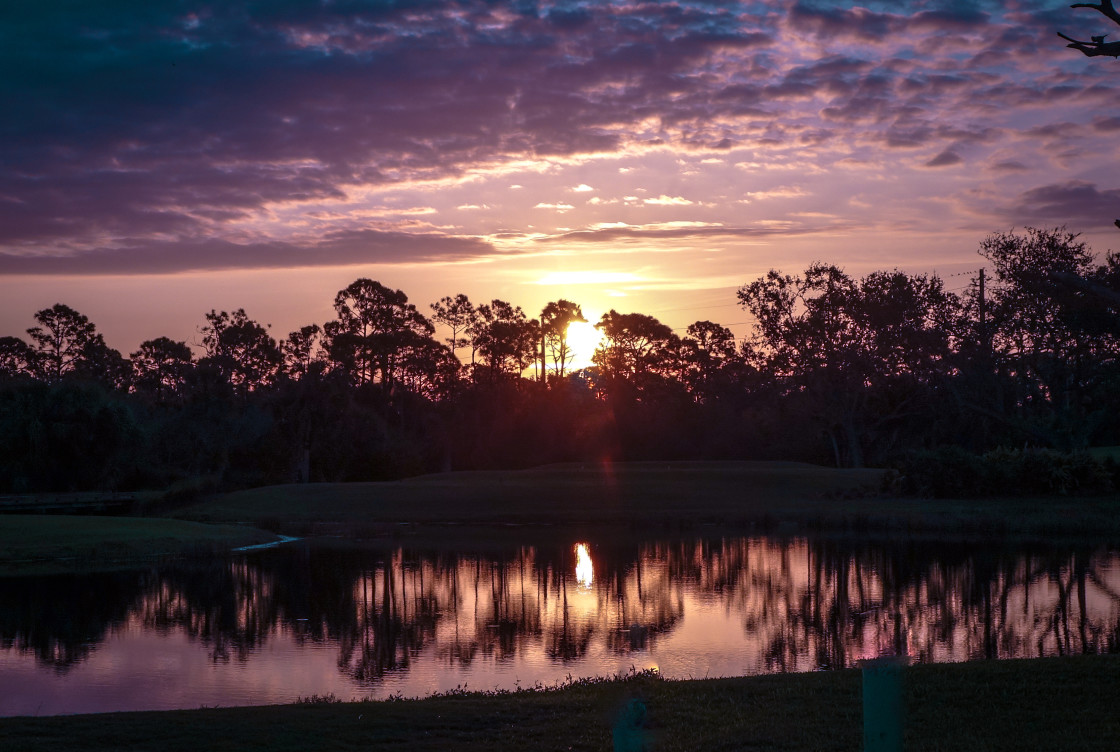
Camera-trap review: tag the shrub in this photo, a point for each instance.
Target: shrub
(943, 472)
(952, 472)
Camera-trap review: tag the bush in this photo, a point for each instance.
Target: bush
(944, 472)
(952, 472)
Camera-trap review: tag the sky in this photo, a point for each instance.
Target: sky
(159, 160)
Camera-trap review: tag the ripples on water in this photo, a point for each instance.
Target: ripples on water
(272, 626)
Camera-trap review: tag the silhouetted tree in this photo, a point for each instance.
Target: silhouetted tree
(103, 364)
(505, 338)
(72, 435)
(160, 367)
(375, 325)
(1050, 337)
(301, 351)
(858, 369)
(555, 319)
(707, 345)
(310, 417)
(427, 368)
(16, 358)
(457, 314)
(60, 341)
(637, 356)
(841, 344)
(1107, 278)
(711, 364)
(240, 349)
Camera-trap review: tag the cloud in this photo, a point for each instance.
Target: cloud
(147, 118)
(783, 191)
(613, 231)
(1074, 201)
(1107, 125)
(143, 130)
(946, 158)
(587, 278)
(335, 249)
(654, 226)
(865, 25)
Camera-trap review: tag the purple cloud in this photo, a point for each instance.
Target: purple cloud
(211, 254)
(170, 136)
(1107, 125)
(609, 234)
(865, 25)
(164, 118)
(946, 158)
(1074, 201)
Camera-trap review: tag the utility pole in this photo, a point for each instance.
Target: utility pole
(983, 323)
(982, 311)
(982, 307)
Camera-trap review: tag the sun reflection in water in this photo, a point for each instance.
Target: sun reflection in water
(585, 572)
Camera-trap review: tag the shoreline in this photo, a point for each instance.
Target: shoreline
(762, 498)
(779, 499)
(1052, 703)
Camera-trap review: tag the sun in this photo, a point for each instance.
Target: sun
(583, 339)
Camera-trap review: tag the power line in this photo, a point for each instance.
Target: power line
(733, 323)
(698, 308)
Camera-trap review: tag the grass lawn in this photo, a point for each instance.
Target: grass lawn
(766, 496)
(1105, 453)
(621, 493)
(1052, 704)
(39, 544)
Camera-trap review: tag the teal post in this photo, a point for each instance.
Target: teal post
(882, 704)
(629, 729)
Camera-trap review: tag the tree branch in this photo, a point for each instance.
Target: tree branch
(1094, 48)
(1105, 7)
(1097, 46)
(1087, 285)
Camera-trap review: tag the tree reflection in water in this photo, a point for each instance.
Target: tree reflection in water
(61, 620)
(801, 604)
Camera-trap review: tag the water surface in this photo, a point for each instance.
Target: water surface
(308, 619)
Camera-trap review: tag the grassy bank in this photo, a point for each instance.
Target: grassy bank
(638, 493)
(39, 544)
(765, 496)
(692, 497)
(1054, 704)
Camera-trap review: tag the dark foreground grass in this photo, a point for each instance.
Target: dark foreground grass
(1052, 704)
(41, 544)
(765, 496)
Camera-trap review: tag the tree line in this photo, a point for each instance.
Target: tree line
(836, 370)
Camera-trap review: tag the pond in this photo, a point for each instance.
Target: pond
(325, 618)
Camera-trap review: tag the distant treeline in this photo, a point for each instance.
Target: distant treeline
(837, 370)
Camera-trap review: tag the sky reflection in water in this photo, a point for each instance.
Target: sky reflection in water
(272, 626)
